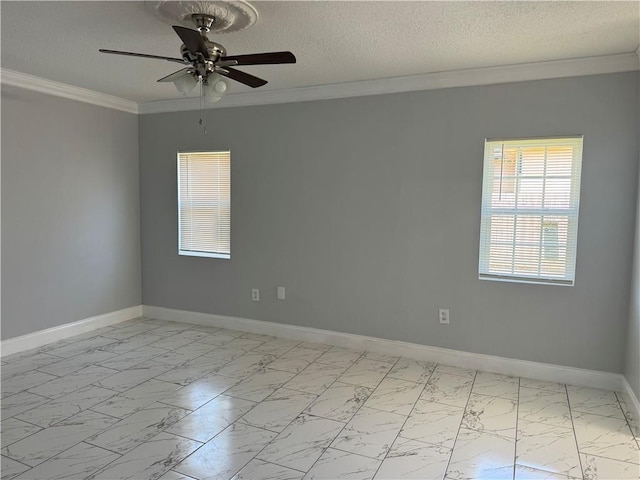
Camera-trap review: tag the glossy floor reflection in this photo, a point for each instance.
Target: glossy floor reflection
(149, 399)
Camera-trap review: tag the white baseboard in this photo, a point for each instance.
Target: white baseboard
(42, 337)
(489, 363)
(633, 405)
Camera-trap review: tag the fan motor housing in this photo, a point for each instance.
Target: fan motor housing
(215, 51)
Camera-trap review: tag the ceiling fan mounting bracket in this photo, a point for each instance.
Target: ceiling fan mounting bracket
(227, 15)
(203, 22)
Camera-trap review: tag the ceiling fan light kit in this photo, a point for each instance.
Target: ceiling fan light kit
(215, 88)
(185, 84)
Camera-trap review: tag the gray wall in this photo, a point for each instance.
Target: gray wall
(368, 211)
(632, 364)
(70, 211)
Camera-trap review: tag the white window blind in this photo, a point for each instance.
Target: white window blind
(530, 199)
(204, 204)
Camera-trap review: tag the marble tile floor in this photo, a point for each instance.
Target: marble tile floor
(152, 399)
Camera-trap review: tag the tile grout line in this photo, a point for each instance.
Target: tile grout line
(264, 461)
(173, 367)
(56, 424)
(85, 440)
(25, 421)
(515, 443)
(627, 419)
(129, 415)
(238, 419)
(406, 419)
(187, 438)
(355, 412)
(613, 459)
(181, 436)
(18, 461)
(318, 416)
(90, 409)
(94, 384)
(297, 416)
(26, 391)
(460, 426)
(67, 449)
(575, 435)
(104, 467)
(580, 453)
(285, 383)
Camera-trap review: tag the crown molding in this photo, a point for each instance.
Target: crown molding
(623, 62)
(457, 78)
(37, 84)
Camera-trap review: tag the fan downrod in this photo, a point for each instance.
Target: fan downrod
(203, 22)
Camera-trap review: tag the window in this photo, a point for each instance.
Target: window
(204, 204)
(530, 197)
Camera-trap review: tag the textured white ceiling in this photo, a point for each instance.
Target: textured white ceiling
(334, 42)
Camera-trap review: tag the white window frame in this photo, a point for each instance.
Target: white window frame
(488, 211)
(210, 253)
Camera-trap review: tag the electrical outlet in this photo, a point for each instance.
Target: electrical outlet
(280, 293)
(255, 294)
(444, 316)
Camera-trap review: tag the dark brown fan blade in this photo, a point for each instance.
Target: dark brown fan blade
(242, 77)
(143, 55)
(193, 41)
(262, 58)
(174, 75)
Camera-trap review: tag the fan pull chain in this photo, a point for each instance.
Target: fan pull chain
(203, 111)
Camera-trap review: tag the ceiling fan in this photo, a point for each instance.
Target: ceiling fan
(203, 59)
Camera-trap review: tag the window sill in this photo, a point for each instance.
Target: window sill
(188, 253)
(531, 281)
